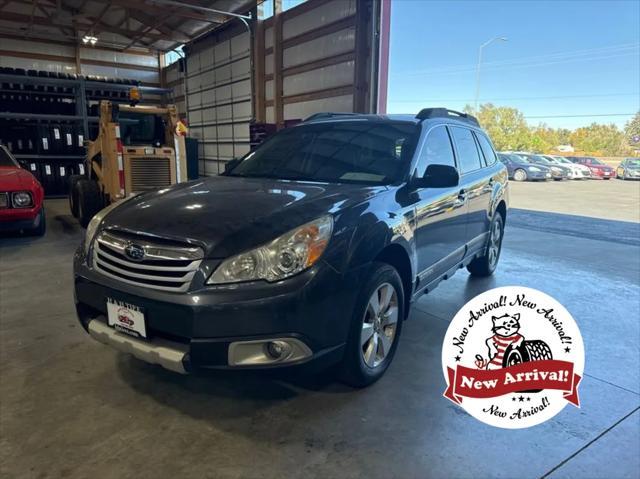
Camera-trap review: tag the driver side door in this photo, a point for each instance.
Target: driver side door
(441, 213)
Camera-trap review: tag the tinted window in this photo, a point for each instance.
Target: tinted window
(487, 149)
(340, 152)
(437, 150)
(5, 159)
(468, 158)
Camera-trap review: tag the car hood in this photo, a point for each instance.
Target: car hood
(600, 167)
(14, 178)
(632, 168)
(227, 215)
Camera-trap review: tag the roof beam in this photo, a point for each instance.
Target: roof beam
(38, 20)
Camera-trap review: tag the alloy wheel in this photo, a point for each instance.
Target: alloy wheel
(519, 175)
(379, 325)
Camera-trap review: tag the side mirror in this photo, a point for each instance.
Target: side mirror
(231, 164)
(438, 176)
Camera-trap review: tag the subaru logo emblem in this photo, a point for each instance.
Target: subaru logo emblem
(134, 252)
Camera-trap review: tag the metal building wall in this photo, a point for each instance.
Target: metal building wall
(317, 57)
(219, 96)
(321, 55)
(61, 57)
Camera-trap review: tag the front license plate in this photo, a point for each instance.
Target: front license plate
(126, 318)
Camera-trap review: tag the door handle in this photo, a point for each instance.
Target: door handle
(462, 195)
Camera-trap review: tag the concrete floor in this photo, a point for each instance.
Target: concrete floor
(70, 407)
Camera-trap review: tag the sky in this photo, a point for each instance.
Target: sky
(561, 58)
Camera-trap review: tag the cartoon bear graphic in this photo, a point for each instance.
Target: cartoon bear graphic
(506, 333)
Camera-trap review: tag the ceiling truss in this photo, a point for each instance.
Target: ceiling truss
(151, 24)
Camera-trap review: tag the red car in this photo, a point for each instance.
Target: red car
(21, 197)
(599, 170)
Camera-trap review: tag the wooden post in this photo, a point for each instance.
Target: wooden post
(362, 56)
(260, 111)
(277, 60)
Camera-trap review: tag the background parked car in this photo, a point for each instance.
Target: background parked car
(21, 197)
(576, 171)
(629, 169)
(598, 169)
(521, 170)
(558, 172)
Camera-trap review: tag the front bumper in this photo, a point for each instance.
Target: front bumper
(602, 174)
(538, 175)
(15, 219)
(194, 330)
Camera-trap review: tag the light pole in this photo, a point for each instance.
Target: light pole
(488, 42)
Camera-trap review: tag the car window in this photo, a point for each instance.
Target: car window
(437, 150)
(468, 157)
(5, 159)
(487, 149)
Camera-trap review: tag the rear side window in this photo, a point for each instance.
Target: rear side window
(437, 150)
(487, 149)
(468, 157)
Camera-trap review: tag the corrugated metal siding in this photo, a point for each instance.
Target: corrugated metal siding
(219, 86)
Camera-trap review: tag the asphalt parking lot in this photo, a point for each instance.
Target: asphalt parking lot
(70, 406)
(606, 199)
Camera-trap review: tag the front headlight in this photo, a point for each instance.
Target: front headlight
(92, 227)
(285, 256)
(22, 199)
(534, 168)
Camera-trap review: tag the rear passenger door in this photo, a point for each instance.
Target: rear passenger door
(476, 183)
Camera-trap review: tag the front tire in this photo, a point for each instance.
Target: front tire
(486, 264)
(73, 193)
(375, 327)
(520, 175)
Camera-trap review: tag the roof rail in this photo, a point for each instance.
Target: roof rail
(428, 113)
(328, 114)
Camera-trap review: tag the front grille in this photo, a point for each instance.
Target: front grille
(149, 173)
(163, 267)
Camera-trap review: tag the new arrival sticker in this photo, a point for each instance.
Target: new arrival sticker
(513, 357)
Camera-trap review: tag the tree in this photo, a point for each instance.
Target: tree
(598, 139)
(632, 129)
(506, 126)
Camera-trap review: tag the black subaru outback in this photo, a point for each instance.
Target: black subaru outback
(307, 252)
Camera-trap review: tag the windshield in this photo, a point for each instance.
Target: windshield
(633, 162)
(520, 158)
(538, 159)
(594, 161)
(561, 159)
(340, 152)
(5, 159)
(141, 129)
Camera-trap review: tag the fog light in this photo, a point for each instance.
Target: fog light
(278, 349)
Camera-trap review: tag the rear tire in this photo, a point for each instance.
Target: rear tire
(89, 200)
(520, 175)
(486, 264)
(373, 338)
(73, 194)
